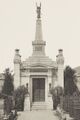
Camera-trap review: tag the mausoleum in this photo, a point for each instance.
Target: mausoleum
(38, 72)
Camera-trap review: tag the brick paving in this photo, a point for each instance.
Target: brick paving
(38, 115)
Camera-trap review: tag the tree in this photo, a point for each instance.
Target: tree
(8, 86)
(7, 91)
(69, 78)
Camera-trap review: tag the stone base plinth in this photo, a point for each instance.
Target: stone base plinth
(27, 103)
(49, 103)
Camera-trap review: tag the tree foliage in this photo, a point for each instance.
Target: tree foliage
(8, 86)
(57, 91)
(69, 78)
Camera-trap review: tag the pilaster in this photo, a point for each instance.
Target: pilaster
(49, 97)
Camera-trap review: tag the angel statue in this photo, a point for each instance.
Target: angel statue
(38, 11)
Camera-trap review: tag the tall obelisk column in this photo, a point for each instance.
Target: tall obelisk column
(38, 43)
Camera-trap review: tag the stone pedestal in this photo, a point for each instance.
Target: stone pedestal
(49, 102)
(27, 103)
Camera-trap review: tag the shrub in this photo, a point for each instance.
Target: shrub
(56, 93)
(8, 104)
(19, 97)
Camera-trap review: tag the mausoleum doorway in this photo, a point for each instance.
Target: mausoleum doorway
(38, 90)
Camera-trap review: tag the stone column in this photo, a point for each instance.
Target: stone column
(17, 63)
(60, 63)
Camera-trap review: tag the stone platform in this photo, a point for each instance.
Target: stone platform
(38, 115)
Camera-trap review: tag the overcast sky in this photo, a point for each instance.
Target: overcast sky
(61, 29)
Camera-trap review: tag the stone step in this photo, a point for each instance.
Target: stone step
(39, 106)
(38, 103)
